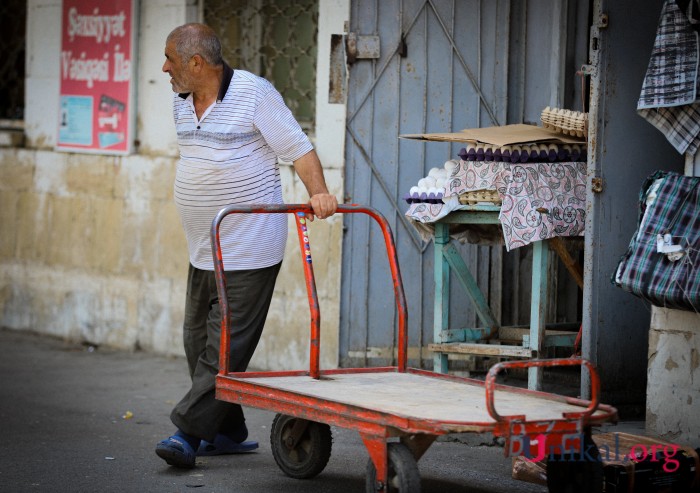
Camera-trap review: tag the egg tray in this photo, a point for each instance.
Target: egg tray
(567, 122)
(425, 198)
(466, 198)
(480, 196)
(549, 155)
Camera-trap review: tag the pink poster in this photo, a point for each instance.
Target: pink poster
(96, 75)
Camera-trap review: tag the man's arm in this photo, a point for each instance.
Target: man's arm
(309, 169)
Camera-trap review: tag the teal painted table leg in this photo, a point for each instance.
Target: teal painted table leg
(442, 293)
(483, 311)
(538, 309)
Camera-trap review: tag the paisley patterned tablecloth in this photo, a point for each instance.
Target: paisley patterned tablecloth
(474, 175)
(539, 200)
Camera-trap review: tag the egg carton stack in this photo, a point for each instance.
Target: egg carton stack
(567, 122)
(525, 153)
(482, 196)
(431, 189)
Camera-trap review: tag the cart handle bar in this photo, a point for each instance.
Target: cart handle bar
(300, 212)
(490, 385)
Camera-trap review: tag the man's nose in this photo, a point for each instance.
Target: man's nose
(166, 66)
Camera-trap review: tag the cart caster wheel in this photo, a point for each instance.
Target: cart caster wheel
(307, 455)
(580, 473)
(403, 471)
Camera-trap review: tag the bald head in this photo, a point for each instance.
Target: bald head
(196, 39)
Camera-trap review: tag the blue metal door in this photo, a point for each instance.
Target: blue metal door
(442, 66)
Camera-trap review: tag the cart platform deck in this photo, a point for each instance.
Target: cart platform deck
(429, 402)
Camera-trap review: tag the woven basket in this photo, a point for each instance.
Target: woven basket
(477, 196)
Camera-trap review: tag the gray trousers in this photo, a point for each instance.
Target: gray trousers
(249, 294)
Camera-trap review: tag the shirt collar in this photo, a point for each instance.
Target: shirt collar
(225, 82)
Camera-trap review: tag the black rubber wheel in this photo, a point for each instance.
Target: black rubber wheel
(576, 472)
(403, 471)
(309, 455)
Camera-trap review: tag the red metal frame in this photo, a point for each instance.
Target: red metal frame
(562, 434)
(301, 212)
(523, 437)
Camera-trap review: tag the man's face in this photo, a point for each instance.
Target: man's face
(178, 69)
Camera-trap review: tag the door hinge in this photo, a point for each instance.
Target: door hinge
(361, 47)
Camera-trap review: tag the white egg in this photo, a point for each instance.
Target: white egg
(422, 183)
(414, 190)
(440, 183)
(451, 165)
(429, 181)
(433, 172)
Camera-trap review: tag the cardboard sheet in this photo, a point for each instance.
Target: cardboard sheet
(500, 136)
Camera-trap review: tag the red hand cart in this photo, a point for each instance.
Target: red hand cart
(399, 411)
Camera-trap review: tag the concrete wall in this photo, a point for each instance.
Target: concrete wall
(91, 246)
(673, 393)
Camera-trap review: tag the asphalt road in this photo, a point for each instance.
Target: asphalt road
(76, 419)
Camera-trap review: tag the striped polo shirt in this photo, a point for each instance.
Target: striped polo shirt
(229, 157)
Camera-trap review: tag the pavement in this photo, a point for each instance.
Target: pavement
(77, 418)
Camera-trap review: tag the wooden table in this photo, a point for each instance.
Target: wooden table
(465, 341)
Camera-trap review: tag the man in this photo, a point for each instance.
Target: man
(232, 127)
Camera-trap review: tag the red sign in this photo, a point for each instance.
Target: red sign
(96, 73)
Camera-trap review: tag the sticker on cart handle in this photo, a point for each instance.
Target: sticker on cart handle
(305, 236)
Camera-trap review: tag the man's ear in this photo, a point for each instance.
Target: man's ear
(197, 62)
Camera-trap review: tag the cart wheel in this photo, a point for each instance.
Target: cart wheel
(577, 473)
(306, 456)
(403, 471)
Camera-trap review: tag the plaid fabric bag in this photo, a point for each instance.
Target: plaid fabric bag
(669, 204)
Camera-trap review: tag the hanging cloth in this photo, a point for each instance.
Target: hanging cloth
(669, 96)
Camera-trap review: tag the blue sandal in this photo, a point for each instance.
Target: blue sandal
(176, 452)
(223, 445)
